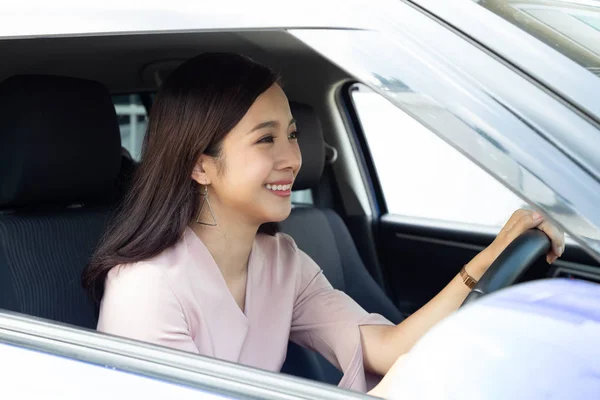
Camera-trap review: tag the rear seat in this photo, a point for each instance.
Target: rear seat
(60, 156)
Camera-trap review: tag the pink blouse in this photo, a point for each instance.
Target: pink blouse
(180, 299)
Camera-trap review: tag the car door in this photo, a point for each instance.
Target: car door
(504, 141)
(41, 359)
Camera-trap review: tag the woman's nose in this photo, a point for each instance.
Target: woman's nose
(290, 156)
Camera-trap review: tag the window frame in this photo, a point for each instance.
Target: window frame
(361, 149)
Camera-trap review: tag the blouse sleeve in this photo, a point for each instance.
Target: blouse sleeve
(327, 320)
(138, 303)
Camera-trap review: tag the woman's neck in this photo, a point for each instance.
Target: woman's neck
(229, 244)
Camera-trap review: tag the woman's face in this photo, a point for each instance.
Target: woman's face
(260, 158)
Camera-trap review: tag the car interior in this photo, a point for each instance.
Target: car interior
(64, 171)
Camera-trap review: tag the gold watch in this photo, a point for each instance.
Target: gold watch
(467, 279)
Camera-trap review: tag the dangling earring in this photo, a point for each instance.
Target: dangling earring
(212, 214)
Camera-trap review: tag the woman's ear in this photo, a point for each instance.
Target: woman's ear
(199, 173)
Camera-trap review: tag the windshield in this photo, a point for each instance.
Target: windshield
(571, 27)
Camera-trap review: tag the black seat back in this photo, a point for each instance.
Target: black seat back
(59, 159)
(322, 234)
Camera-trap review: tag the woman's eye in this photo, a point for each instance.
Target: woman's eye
(266, 139)
(293, 135)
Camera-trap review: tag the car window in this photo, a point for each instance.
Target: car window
(423, 176)
(303, 197)
(570, 26)
(133, 119)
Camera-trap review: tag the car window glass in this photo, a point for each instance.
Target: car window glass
(302, 197)
(133, 120)
(571, 27)
(423, 176)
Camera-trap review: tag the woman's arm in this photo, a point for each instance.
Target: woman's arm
(382, 345)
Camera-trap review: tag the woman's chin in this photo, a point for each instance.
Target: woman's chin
(279, 215)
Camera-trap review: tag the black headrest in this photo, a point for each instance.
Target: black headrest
(59, 141)
(311, 144)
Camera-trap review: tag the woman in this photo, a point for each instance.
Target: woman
(193, 260)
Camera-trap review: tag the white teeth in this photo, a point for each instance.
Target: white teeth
(278, 187)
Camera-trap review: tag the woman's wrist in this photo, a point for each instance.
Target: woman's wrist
(479, 264)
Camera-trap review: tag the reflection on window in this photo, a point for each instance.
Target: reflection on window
(571, 27)
(594, 22)
(133, 119)
(423, 176)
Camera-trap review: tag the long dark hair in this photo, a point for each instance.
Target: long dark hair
(195, 108)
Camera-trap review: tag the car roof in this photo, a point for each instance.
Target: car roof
(60, 18)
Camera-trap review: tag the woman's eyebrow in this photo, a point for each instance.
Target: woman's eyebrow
(270, 124)
(266, 124)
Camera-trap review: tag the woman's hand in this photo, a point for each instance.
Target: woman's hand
(518, 223)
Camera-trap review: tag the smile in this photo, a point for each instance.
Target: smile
(281, 188)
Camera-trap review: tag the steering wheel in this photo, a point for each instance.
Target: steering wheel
(511, 263)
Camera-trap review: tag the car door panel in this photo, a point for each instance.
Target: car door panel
(420, 259)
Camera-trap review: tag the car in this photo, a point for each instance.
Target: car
(424, 124)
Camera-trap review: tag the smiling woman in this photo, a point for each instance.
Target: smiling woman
(193, 260)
